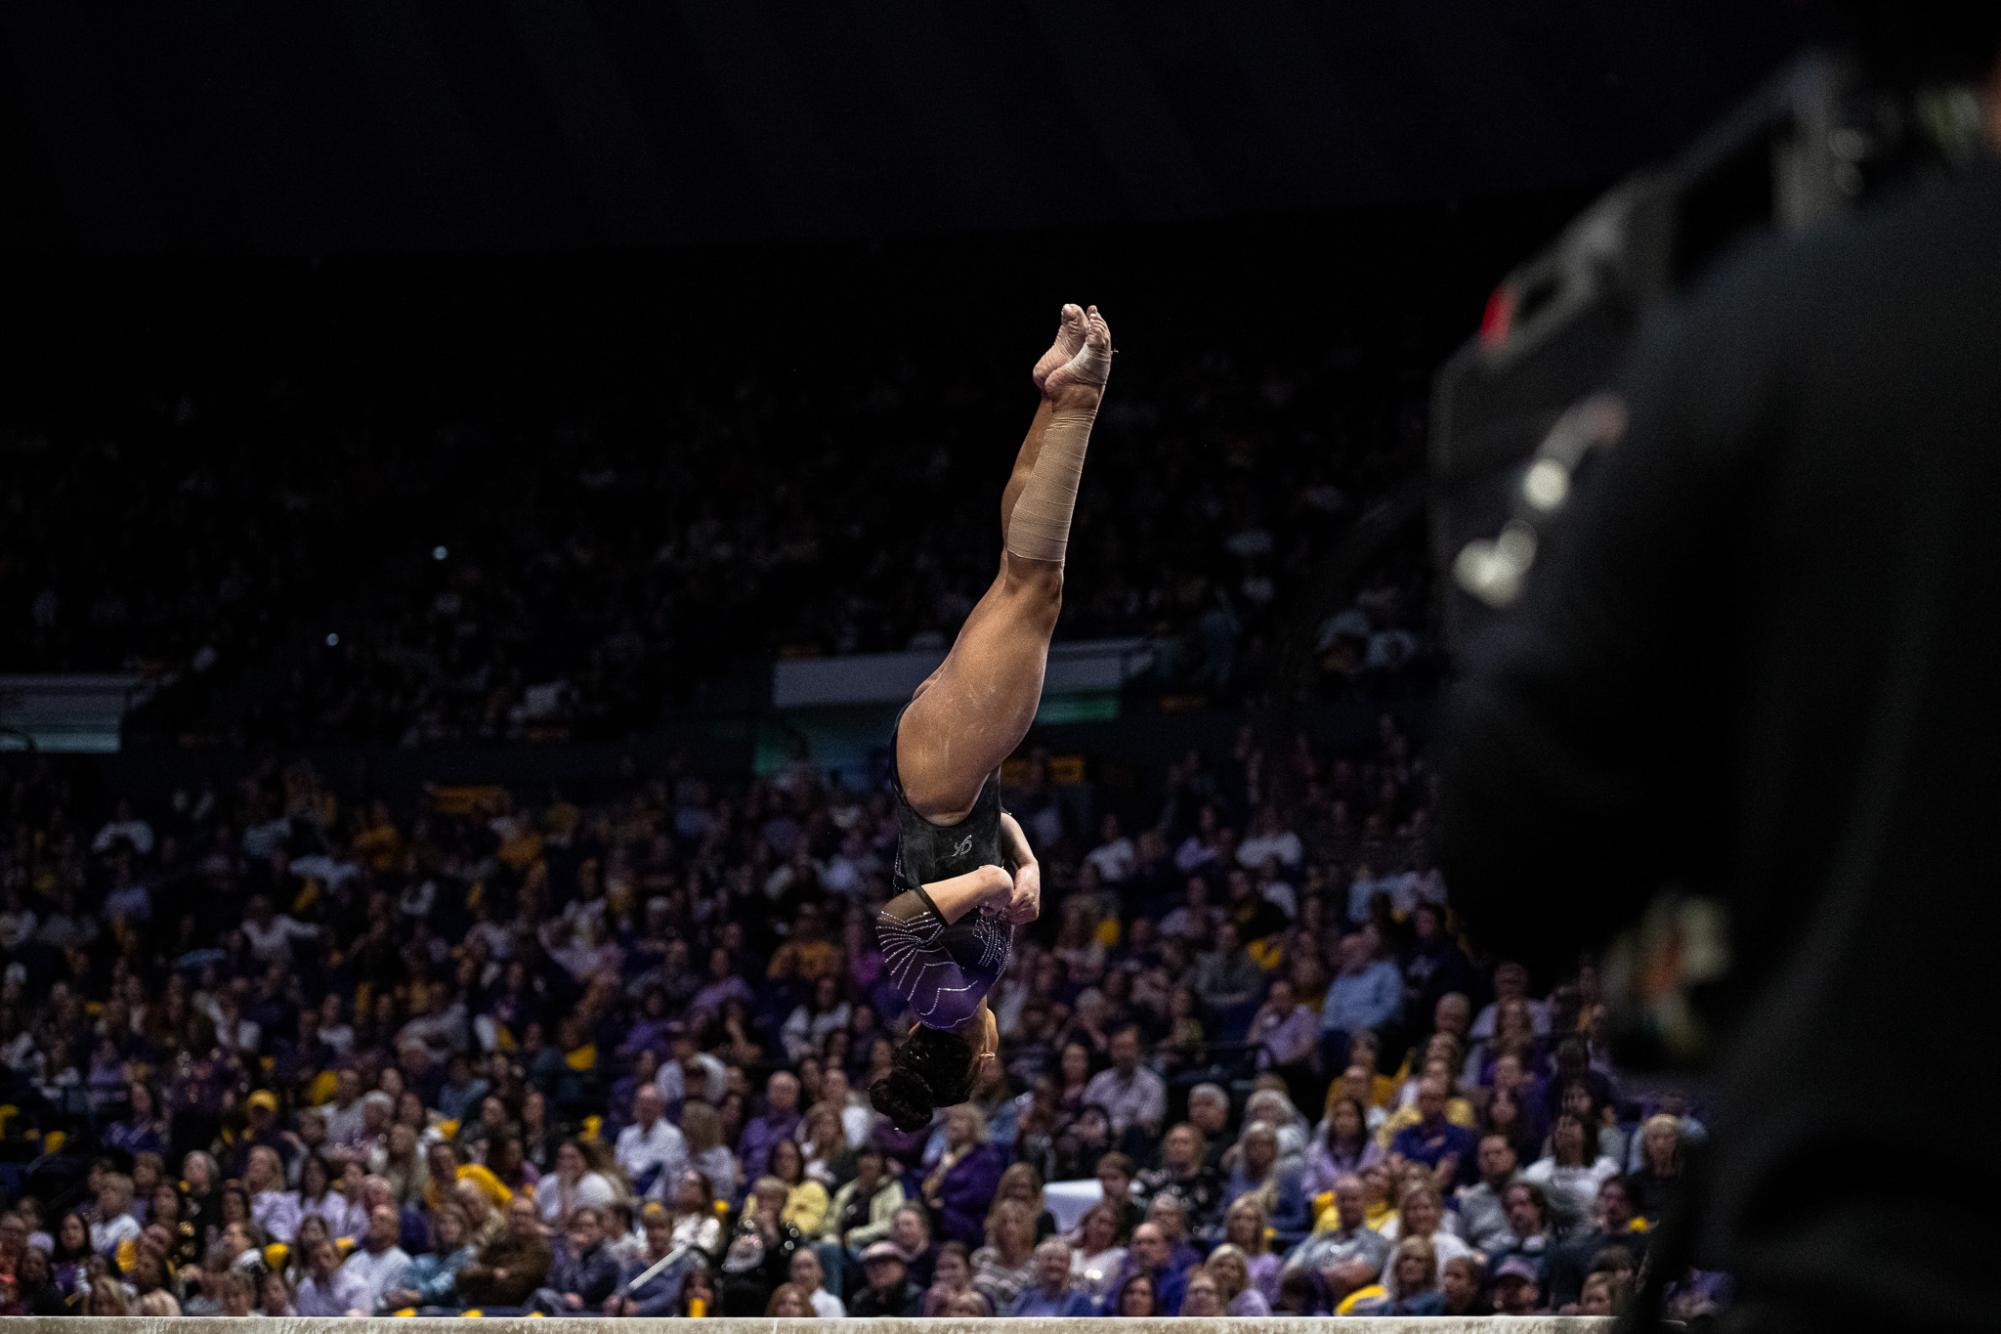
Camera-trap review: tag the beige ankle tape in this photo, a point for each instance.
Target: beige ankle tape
(1039, 528)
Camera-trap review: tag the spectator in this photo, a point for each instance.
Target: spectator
(584, 1273)
(378, 1261)
(760, 1249)
(115, 1223)
(1257, 1171)
(1411, 1278)
(1005, 1265)
(961, 1183)
(703, 1129)
(1095, 1255)
(1151, 1256)
(1184, 1174)
(649, 1147)
(807, 1275)
(508, 1270)
(272, 1207)
(1459, 1287)
(1200, 1295)
(889, 1292)
(1344, 1239)
(330, 1288)
(951, 1275)
(1447, 1149)
(1132, 1094)
(780, 1121)
(1136, 1296)
(1116, 1174)
(1050, 1292)
(1571, 1168)
(275, 1297)
(1342, 1146)
(1515, 1289)
(863, 1210)
(1612, 1229)
(573, 1186)
(1366, 993)
(432, 1278)
(1483, 1218)
(1244, 1227)
(1657, 1178)
(1231, 1270)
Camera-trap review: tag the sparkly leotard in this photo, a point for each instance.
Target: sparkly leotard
(944, 969)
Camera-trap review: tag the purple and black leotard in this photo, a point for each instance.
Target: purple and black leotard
(944, 969)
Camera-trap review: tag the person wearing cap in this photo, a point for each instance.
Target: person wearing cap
(262, 1130)
(1515, 1288)
(890, 1291)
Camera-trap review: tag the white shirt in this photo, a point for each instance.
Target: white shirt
(136, 832)
(377, 1270)
(1114, 860)
(827, 1306)
(272, 942)
(1579, 1183)
(641, 1149)
(1258, 849)
(555, 1203)
(105, 1237)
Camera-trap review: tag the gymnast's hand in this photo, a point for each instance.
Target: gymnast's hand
(1024, 902)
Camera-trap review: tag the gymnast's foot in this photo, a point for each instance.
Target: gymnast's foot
(1071, 326)
(1079, 380)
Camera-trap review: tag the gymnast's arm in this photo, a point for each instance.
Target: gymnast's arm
(1025, 896)
(960, 894)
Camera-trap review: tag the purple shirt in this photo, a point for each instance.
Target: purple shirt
(759, 1138)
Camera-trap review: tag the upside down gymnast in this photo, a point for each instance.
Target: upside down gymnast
(964, 870)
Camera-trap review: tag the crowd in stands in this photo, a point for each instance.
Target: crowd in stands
(279, 1048)
(291, 562)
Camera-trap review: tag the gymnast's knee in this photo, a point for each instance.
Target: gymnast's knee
(1040, 582)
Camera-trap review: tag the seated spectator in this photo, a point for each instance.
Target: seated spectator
(646, 1286)
(1201, 1295)
(34, 1289)
(1135, 1296)
(115, 1224)
(1612, 1229)
(1483, 1218)
(272, 1207)
(432, 1278)
(650, 1146)
(1422, 1214)
(330, 1288)
(1572, 1169)
(573, 1186)
(1449, 1150)
(759, 1250)
(830, 1160)
(1133, 1095)
(807, 1274)
(1257, 1172)
(1411, 1278)
(959, 1185)
(1344, 1236)
(507, 1271)
(1459, 1285)
(378, 1261)
(1344, 1145)
(889, 1291)
(707, 1154)
(862, 1211)
(275, 1296)
(1605, 1293)
(779, 1121)
(1116, 1175)
(1515, 1289)
(1050, 1293)
(1005, 1265)
(1184, 1173)
(584, 1272)
(1244, 1227)
(1167, 1214)
(1231, 1269)
(1151, 1255)
(1366, 993)
(806, 1203)
(1095, 1254)
(1658, 1175)
(698, 1291)
(951, 1274)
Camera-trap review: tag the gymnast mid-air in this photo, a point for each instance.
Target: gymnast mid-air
(964, 871)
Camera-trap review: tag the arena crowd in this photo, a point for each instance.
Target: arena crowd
(279, 1047)
(287, 566)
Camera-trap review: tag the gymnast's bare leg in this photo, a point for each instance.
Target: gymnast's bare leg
(972, 713)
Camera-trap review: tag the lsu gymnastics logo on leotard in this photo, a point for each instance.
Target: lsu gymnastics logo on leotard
(965, 846)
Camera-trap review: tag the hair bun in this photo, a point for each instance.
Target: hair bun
(904, 1097)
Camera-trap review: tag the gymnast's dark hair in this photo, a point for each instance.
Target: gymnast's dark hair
(932, 1068)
